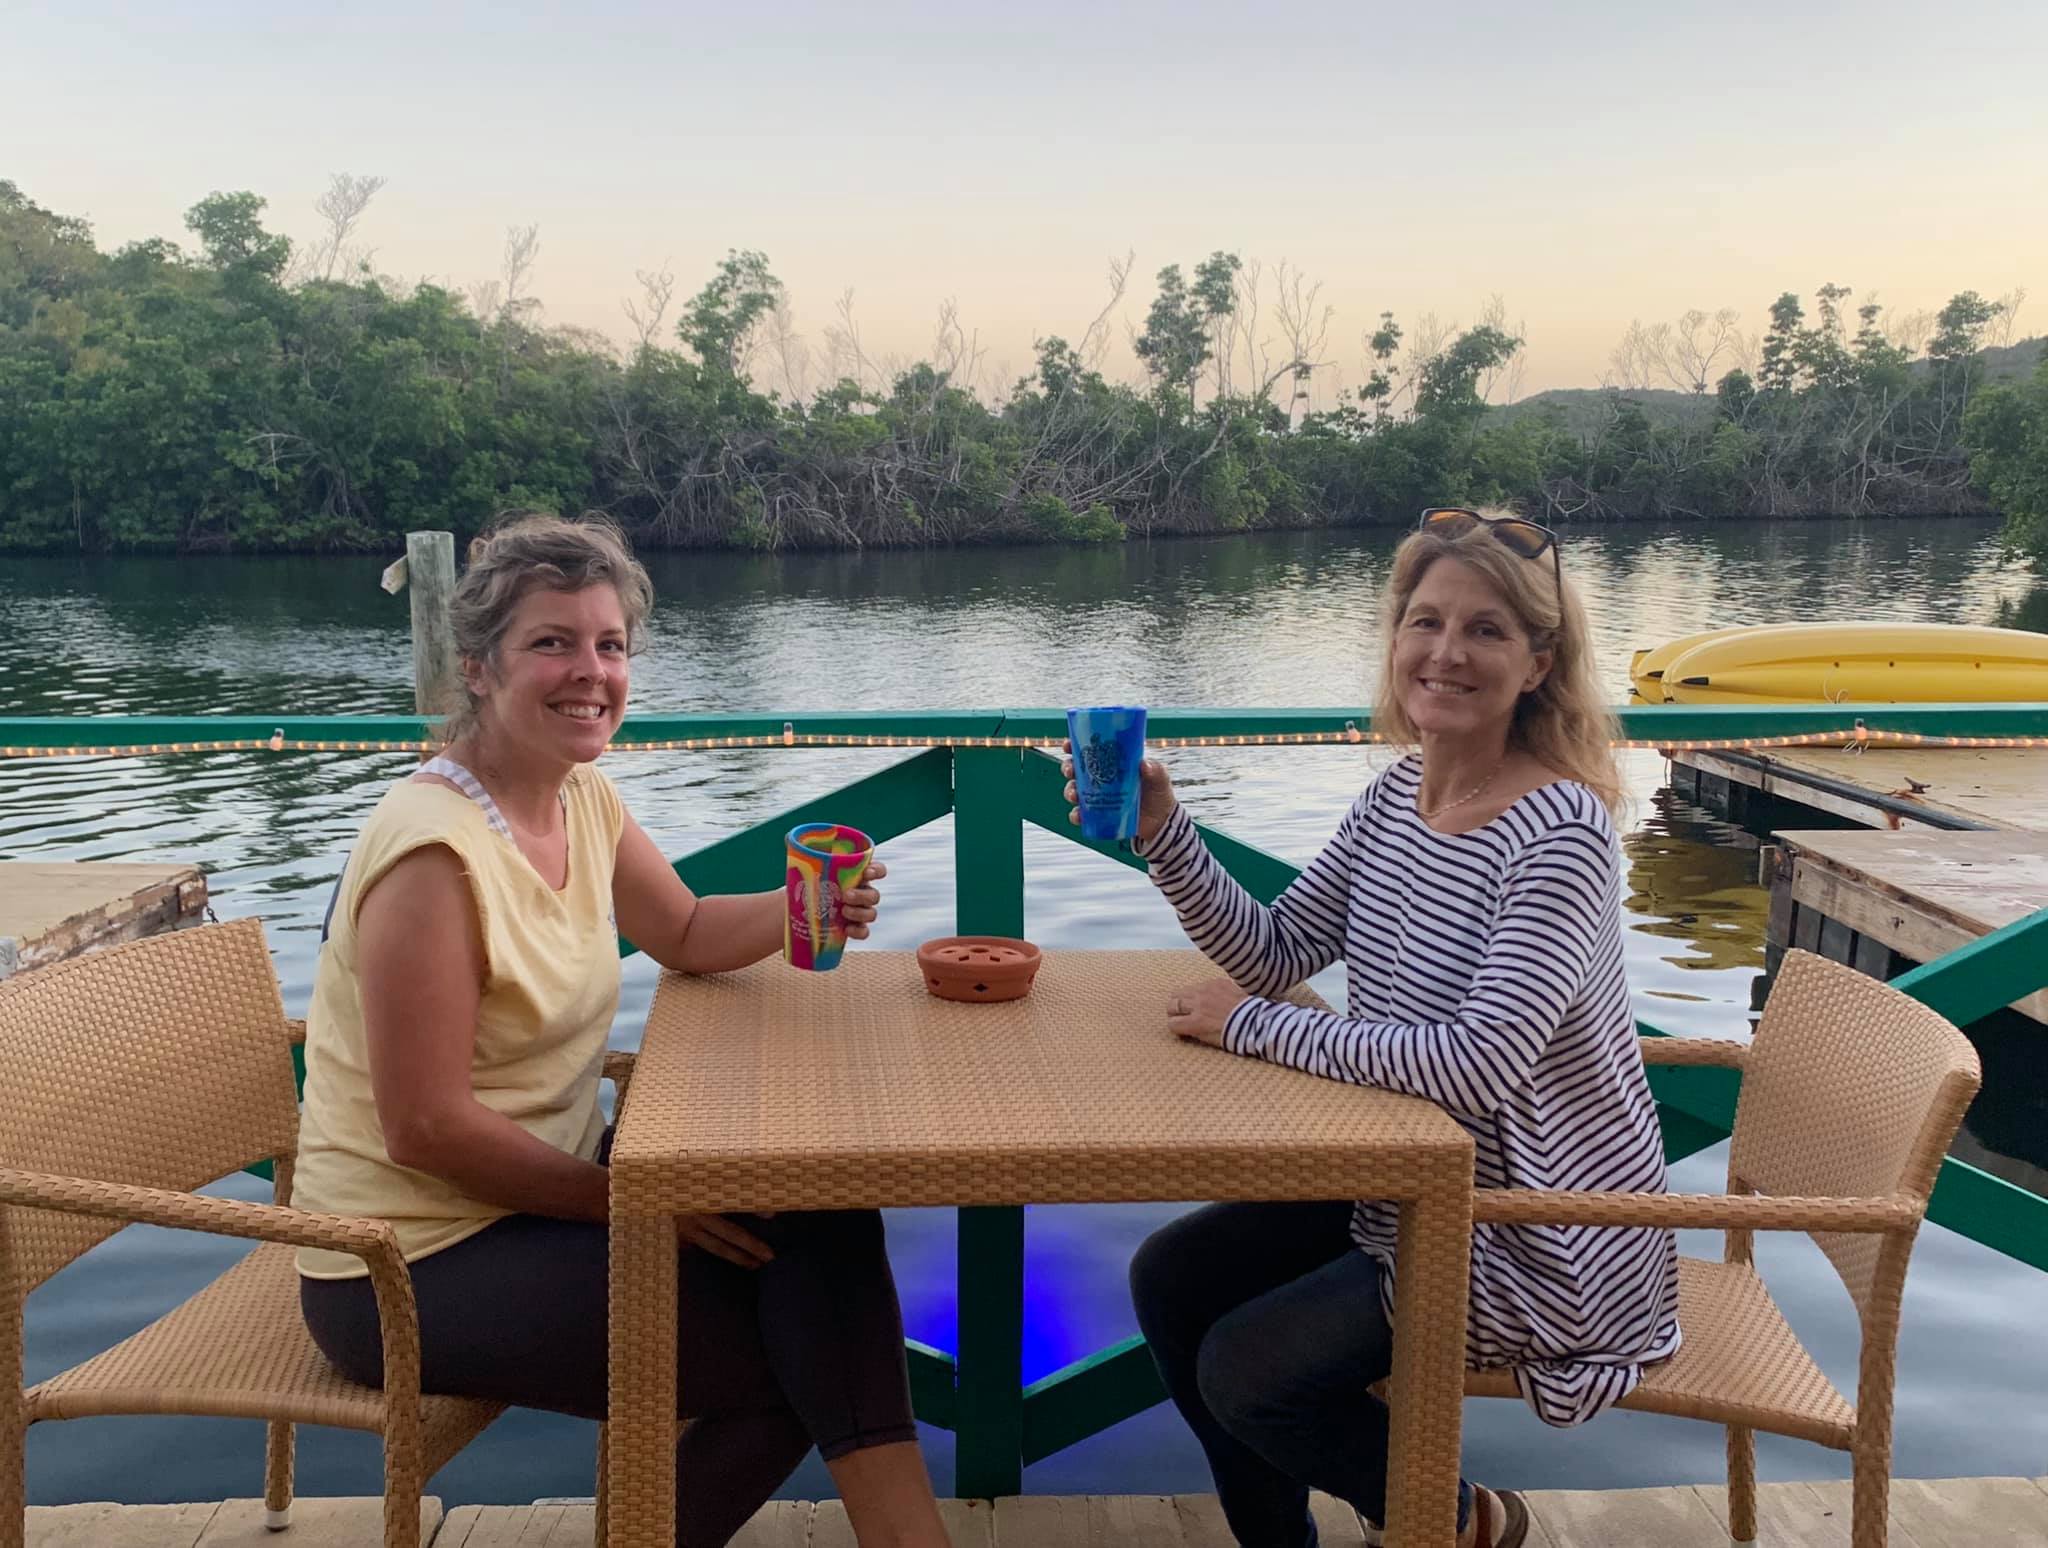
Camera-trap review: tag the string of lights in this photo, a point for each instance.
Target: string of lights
(1860, 736)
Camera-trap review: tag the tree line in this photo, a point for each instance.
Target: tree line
(240, 393)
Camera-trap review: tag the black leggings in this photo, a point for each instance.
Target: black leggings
(805, 1350)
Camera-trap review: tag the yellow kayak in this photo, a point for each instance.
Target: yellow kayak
(1646, 667)
(1860, 663)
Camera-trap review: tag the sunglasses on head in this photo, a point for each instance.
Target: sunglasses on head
(1524, 537)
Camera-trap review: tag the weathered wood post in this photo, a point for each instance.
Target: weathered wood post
(428, 568)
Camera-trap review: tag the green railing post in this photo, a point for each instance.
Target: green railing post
(988, 841)
(1979, 976)
(988, 899)
(988, 1407)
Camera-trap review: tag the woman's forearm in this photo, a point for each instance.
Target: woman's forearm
(489, 1157)
(729, 930)
(1265, 950)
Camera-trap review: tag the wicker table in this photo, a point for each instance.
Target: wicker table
(769, 1089)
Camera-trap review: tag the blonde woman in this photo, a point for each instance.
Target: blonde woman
(459, 1017)
(1473, 894)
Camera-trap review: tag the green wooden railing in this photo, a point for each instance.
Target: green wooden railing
(977, 1391)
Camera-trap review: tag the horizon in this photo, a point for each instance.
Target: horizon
(920, 158)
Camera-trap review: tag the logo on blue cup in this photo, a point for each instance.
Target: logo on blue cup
(1109, 746)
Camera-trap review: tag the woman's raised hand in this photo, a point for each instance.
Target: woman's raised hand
(862, 903)
(1156, 799)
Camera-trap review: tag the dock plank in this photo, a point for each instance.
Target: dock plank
(778, 1524)
(969, 1524)
(1336, 1523)
(514, 1526)
(103, 1525)
(50, 910)
(1974, 882)
(1971, 1512)
(1812, 1515)
(1201, 1521)
(316, 1523)
(1925, 1513)
(1626, 1518)
(1921, 894)
(1089, 1521)
(2000, 786)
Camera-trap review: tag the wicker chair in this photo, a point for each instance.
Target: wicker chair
(138, 1073)
(1851, 1093)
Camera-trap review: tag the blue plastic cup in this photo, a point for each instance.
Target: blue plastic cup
(1109, 744)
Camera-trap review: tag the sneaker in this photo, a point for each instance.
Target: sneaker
(1512, 1527)
(1499, 1519)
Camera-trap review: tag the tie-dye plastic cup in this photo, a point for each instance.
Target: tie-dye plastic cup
(1109, 744)
(823, 859)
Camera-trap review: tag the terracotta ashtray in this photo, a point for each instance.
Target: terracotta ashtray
(978, 969)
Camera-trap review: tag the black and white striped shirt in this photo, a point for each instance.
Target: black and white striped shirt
(1484, 972)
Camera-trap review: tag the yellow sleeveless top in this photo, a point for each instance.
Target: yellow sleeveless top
(551, 987)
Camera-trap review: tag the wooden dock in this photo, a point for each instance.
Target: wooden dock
(1925, 1513)
(1880, 787)
(1953, 844)
(50, 910)
(1884, 899)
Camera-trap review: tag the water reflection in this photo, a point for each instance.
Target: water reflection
(2027, 612)
(1692, 880)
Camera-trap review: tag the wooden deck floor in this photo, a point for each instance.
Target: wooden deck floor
(1926, 1513)
(50, 910)
(1919, 895)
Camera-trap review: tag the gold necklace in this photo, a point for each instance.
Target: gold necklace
(1473, 794)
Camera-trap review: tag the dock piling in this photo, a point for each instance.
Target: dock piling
(430, 573)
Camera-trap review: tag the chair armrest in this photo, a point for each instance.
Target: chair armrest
(1718, 1052)
(371, 1240)
(618, 1069)
(1694, 1211)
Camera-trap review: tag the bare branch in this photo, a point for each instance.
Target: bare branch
(1306, 327)
(1095, 340)
(1517, 363)
(657, 291)
(1634, 360)
(1494, 315)
(1242, 324)
(1909, 331)
(1700, 345)
(843, 351)
(1998, 332)
(1428, 340)
(341, 207)
(522, 246)
(792, 353)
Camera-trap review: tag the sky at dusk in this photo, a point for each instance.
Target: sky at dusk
(1590, 162)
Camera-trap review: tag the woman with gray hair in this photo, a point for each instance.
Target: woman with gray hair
(459, 1019)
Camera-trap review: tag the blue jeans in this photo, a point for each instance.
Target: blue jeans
(1266, 1324)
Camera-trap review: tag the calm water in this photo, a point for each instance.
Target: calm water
(1283, 620)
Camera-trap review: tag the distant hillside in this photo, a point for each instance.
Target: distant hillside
(2015, 360)
(1584, 409)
